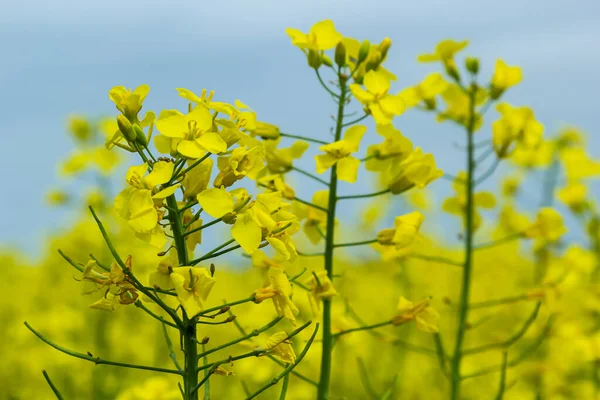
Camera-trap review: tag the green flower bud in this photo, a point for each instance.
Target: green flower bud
(140, 136)
(373, 61)
(314, 59)
(126, 128)
(472, 65)
(326, 60)
(340, 54)
(452, 71)
(363, 52)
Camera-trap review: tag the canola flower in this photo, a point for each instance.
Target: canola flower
(171, 203)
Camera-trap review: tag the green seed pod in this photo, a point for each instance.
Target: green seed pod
(340, 54)
(126, 128)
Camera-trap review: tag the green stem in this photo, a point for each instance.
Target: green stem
(437, 259)
(190, 345)
(362, 243)
(327, 345)
(502, 387)
(356, 120)
(308, 174)
(98, 360)
(54, 389)
(335, 95)
(362, 196)
(284, 387)
(289, 368)
(466, 278)
(362, 328)
(498, 242)
(202, 227)
(303, 138)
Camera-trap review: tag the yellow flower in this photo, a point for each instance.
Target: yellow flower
(196, 180)
(137, 203)
(432, 86)
(280, 347)
(548, 226)
(373, 60)
(417, 169)
(458, 105)
(426, 318)
(242, 162)
(511, 221)
(444, 51)
(279, 291)
(534, 157)
(339, 153)
(375, 98)
(457, 205)
(281, 160)
(316, 219)
(394, 149)
(57, 198)
(276, 183)
(406, 229)
(578, 164)
(504, 77)
(574, 195)
(517, 124)
(127, 101)
(192, 285)
(80, 127)
(510, 186)
(161, 278)
(320, 287)
(192, 133)
(250, 218)
(322, 36)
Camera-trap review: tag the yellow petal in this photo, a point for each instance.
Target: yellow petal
(172, 123)
(161, 173)
(212, 142)
(347, 169)
(247, 233)
(216, 202)
(324, 162)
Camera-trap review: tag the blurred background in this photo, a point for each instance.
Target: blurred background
(62, 57)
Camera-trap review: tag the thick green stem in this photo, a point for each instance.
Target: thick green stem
(325, 376)
(190, 346)
(466, 278)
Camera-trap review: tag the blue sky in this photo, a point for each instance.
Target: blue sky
(62, 57)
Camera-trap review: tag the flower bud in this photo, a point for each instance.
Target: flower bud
(472, 65)
(363, 52)
(384, 46)
(452, 71)
(126, 128)
(326, 60)
(212, 271)
(340, 54)
(140, 136)
(229, 218)
(231, 318)
(373, 61)
(386, 236)
(314, 59)
(205, 340)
